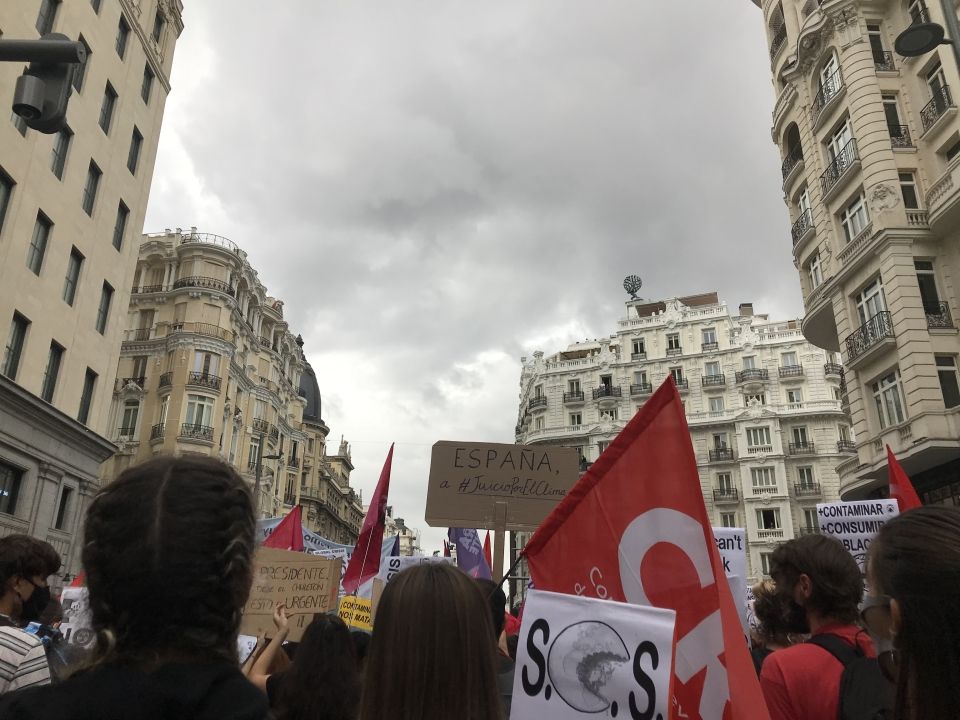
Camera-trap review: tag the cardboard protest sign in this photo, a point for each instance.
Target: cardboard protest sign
(582, 658)
(732, 545)
(855, 523)
(467, 480)
(305, 583)
(398, 564)
(77, 625)
(356, 612)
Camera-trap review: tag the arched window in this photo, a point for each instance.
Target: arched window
(793, 152)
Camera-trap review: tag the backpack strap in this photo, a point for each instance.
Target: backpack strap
(843, 652)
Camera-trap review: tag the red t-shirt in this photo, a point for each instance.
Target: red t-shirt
(802, 682)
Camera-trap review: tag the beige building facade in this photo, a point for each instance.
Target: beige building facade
(763, 405)
(870, 147)
(71, 209)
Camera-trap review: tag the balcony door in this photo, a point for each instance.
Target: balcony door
(800, 436)
(206, 363)
(927, 282)
(936, 81)
(725, 483)
(719, 441)
(827, 80)
(870, 301)
(803, 204)
(838, 141)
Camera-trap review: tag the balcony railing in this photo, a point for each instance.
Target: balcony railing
(641, 389)
(573, 397)
(846, 446)
(918, 218)
(166, 380)
(261, 426)
(156, 432)
(713, 380)
(202, 379)
(140, 382)
(708, 346)
(752, 375)
(674, 351)
(883, 61)
(787, 371)
(874, 330)
(201, 329)
(833, 369)
(682, 384)
(801, 448)
(140, 334)
(935, 109)
(828, 90)
(803, 224)
(721, 454)
(900, 136)
(771, 534)
(793, 158)
(638, 356)
(293, 462)
(126, 433)
(607, 391)
(190, 431)
(207, 283)
(808, 489)
(847, 156)
(779, 39)
(726, 494)
(537, 402)
(938, 316)
(146, 289)
(808, 530)
(765, 489)
(759, 449)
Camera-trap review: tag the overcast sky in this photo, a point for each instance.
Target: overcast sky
(436, 189)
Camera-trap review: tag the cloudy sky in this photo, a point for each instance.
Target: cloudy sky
(436, 189)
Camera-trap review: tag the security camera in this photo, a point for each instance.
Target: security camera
(28, 97)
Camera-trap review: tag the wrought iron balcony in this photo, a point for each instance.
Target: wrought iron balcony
(190, 431)
(261, 426)
(847, 156)
(573, 397)
(935, 109)
(682, 384)
(140, 382)
(938, 315)
(202, 379)
(207, 283)
(723, 454)
(752, 375)
(126, 433)
(846, 446)
(641, 389)
(779, 40)
(537, 402)
(883, 61)
(708, 346)
(726, 494)
(146, 289)
(793, 158)
(674, 351)
(788, 371)
(801, 448)
(201, 329)
(140, 334)
(900, 136)
(612, 391)
(803, 225)
(808, 489)
(713, 380)
(156, 432)
(874, 330)
(833, 369)
(166, 380)
(638, 356)
(828, 90)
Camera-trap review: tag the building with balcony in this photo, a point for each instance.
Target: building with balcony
(764, 407)
(408, 537)
(208, 365)
(72, 206)
(870, 143)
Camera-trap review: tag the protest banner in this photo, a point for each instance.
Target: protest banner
(356, 612)
(618, 662)
(855, 523)
(77, 624)
(304, 583)
(398, 564)
(497, 487)
(732, 546)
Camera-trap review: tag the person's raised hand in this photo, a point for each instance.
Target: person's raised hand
(280, 618)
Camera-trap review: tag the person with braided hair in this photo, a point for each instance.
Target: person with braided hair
(168, 554)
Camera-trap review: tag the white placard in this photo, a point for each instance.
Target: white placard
(584, 658)
(732, 545)
(77, 625)
(855, 523)
(246, 644)
(396, 564)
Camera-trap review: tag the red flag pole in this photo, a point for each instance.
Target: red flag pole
(371, 534)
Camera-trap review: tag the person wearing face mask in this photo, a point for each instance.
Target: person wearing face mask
(913, 610)
(819, 588)
(25, 565)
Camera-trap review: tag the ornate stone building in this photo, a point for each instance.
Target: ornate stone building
(763, 405)
(71, 211)
(870, 147)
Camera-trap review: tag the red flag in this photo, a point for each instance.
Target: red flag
(365, 561)
(635, 529)
(446, 549)
(288, 535)
(487, 554)
(79, 580)
(901, 489)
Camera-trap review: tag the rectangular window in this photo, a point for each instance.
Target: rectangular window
(10, 479)
(15, 343)
(47, 16)
(6, 190)
(800, 435)
(765, 563)
(794, 397)
(889, 400)
(86, 396)
(815, 271)
(133, 157)
(719, 441)
(854, 217)
(123, 34)
(673, 341)
(576, 419)
(80, 73)
(843, 432)
(870, 301)
(74, 264)
(52, 371)
(947, 370)
(103, 309)
(538, 423)
(876, 44)
(768, 519)
(158, 24)
(639, 347)
(63, 509)
(936, 80)
(90, 188)
(788, 359)
(120, 224)
(716, 404)
(38, 243)
(106, 107)
(612, 414)
(837, 144)
(908, 189)
(601, 446)
(640, 377)
(128, 422)
(750, 362)
(728, 519)
(573, 386)
(199, 411)
(805, 476)
(891, 111)
(927, 281)
(147, 85)
(758, 437)
(724, 482)
(810, 520)
(677, 373)
(761, 399)
(61, 144)
(711, 369)
(763, 477)
(538, 391)
(709, 336)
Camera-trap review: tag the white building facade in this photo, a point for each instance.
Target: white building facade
(765, 409)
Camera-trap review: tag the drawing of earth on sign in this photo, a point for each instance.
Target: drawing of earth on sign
(582, 660)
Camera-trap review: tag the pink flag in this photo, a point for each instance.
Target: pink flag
(365, 561)
(487, 555)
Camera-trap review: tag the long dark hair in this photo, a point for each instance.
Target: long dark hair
(168, 555)
(915, 559)
(323, 683)
(431, 655)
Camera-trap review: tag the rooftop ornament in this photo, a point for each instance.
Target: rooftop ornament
(632, 284)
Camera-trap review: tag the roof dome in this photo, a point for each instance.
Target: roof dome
(310, 390)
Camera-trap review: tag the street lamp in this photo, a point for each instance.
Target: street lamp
(921, 38)
(259, 469)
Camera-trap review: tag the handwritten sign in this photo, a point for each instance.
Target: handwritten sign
(586, 658)
(468, 481)
(732, 545)
(856, 523)
(356, 612)
(305, 583)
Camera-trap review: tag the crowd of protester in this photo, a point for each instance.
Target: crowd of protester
(168, 557)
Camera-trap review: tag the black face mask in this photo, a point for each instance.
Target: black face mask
(794, 616)
(35, 605)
